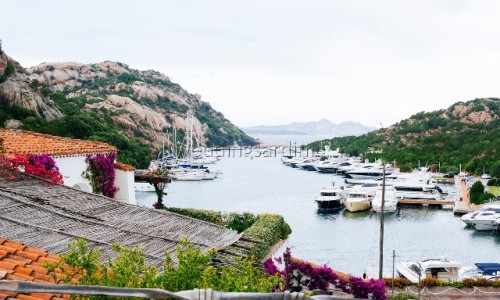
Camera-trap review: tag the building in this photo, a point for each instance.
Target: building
(69, 155)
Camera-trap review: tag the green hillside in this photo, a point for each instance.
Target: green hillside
(466, 134)
(133, 110)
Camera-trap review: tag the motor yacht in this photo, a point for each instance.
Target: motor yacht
(487, 220)
(440, 269)
(330, 198)
(358, 200)
(326, 166)
(467, 218)
(390, 200)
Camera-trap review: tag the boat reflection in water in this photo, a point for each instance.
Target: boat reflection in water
(356, 215)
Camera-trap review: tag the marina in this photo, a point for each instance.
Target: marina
(346, 241)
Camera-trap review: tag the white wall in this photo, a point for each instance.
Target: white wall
(124, 180)
(71, 169)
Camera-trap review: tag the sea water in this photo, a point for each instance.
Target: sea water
(345, 241)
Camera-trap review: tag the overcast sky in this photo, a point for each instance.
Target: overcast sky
(275, 62)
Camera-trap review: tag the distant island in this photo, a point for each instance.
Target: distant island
(321, 127)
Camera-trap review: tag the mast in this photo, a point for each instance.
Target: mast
(381, 246)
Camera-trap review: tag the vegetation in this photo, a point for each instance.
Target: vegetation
(269, 229)
(9, 70)
(128, 269)
(442, 137)
(236, 221)
(475, 192)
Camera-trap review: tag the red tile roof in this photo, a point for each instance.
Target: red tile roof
(20, 262)
(26, 142)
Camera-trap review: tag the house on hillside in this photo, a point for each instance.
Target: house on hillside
(69, 155)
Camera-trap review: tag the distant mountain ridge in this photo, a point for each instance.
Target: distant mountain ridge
(321, 127)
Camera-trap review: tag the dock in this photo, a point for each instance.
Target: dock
(426, 202)
(462, 205)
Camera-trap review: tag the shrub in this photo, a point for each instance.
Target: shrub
(128, 269)
(101, 173)
(493, 182)
(476, 191)
(402, 296)
(398, 282)
(485, 197)
(269, 229)
(299, 274)
(236, 221)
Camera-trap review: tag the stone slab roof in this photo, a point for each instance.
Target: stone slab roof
(50, 217)
(26, 142)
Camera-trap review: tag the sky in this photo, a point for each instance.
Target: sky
(267, 62)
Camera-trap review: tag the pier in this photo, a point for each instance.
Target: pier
(462, 205)
(426, 202)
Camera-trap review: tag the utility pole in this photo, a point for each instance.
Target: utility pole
(381, 245)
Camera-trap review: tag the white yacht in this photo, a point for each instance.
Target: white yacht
(330, 198)
(440, 269)
(487, 220)
(358, 199)
(390, 203)
(467, 218)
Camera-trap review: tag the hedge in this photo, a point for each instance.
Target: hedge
(268, 229)
(431, 282)
(236, 221)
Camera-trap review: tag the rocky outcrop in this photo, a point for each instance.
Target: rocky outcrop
(16, 89)
(145, 103)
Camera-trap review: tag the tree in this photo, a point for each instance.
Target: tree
(476, 191)
(1, 51)
(495, 170)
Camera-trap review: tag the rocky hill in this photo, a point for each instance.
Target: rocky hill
(466, 134)
(142, 105)
(321, 127)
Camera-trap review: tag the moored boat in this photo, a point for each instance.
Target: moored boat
(330, 198)
(440, 269)
(358, 200)
(390, 200)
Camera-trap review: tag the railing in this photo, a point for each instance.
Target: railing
(196, 294)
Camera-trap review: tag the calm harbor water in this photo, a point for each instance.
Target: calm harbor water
(348, 242)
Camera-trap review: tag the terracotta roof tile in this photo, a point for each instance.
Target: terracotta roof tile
(13, 245)
(37, 269)
(19, 276)
(8, 249)
(23, 270)
(26, 142)
(26, 297)
(7, 265)
(35, 251)
(43, 296)
(19, 262)
(15, 262)
(27, 255)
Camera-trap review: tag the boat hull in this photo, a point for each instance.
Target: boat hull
(329, 204)
(354, 206)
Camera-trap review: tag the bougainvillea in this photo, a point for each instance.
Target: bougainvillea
(101, 173)
(298, 274)
(42, 165)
